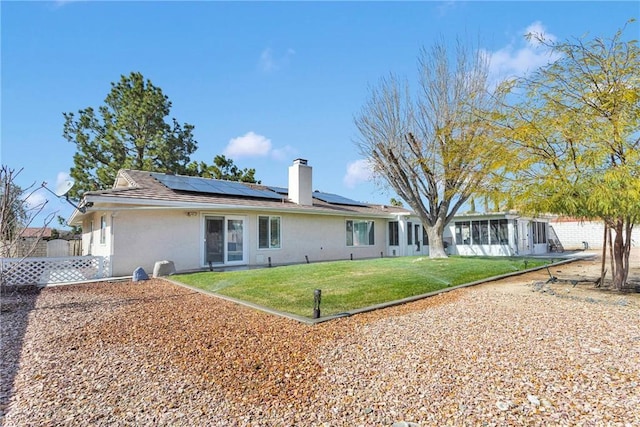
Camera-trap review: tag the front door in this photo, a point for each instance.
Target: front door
(224, 240)
(524, 246)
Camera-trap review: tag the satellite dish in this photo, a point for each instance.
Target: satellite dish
(63, 187)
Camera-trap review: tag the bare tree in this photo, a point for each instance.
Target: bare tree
(17, 213)
(434, 149)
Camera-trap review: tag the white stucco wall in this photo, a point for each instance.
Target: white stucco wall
(321, 238)
(141, 237)
(91, 236)
(572, 234)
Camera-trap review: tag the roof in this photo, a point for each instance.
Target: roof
(37, 232)
(140, 188)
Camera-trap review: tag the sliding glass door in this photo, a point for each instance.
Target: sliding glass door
(224, 240)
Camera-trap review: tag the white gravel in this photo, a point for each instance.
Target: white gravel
(157, 354)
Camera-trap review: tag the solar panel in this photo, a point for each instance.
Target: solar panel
(212, 186)
(335, 199)
(279, 190)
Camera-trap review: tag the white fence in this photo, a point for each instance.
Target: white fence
(43, 271)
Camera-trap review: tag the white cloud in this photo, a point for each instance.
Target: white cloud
(35, 199)
(252, 144)
(522, 55)
(270, 61)
(249, 145)
(358, 172)
(283, 154)
(267, 63)
(538, 31)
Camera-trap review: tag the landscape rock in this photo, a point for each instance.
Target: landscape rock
(139, 275)
(164, 268)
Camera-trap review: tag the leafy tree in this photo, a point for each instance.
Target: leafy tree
(576, 139)
(434, 149)
(222, 168)
(72, 229)
(128, 131)
(395, 202)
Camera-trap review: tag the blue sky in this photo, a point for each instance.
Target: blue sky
(262, 82)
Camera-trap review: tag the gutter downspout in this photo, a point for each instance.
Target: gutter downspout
(113, 242)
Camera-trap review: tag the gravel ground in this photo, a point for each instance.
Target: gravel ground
(514, 352)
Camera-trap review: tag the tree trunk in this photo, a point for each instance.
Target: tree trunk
(604, 254)
(436, 242)
(612, 258)
(621, 250)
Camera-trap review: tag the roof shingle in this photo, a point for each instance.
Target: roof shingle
(142, 188)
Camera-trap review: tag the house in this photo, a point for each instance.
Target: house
(201, 223)
(204, 223)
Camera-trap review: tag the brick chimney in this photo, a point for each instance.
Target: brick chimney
(300, 184)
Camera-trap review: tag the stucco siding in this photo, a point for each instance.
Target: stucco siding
(320, 238)
(97, 241)
(144, 237)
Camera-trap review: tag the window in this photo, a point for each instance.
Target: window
(425, 236)
(463, 235)
(394, 233)
(499, 232)
(103, 229)
(484, 232)
(487, 232)
(480, 232)
(542, 232)
(409, 233)
(360, 233)
(539, 230)
(268, 232)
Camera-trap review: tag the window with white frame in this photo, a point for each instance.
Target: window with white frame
(486, 232)
(463, 233)
(499, 231)
(480, 232)
(269, 232)
(539, 230)
(103, 229)
(360, 233)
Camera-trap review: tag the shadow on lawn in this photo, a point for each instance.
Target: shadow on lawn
(15, 305)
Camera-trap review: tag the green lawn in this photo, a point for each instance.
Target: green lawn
(348, 285)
